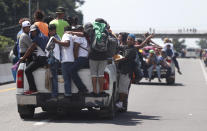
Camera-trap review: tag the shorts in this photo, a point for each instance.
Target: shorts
(124, 81)
(97, 67)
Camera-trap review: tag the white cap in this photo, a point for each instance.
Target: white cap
(25, 24)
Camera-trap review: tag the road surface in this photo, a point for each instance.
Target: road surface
(152, 107)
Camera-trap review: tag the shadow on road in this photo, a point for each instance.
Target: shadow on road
(159, 84)
(126, 119)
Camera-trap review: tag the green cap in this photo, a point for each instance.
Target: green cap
(152, 51)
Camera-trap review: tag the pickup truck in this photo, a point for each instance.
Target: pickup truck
(27, 103)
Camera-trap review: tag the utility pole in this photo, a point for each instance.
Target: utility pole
(38, 5)
(30, 9)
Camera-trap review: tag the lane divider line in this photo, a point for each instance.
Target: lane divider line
(204, 71)
(9, 89)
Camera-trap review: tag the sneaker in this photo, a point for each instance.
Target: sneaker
(103, 94)
(53, 99)
(30, 92)
(68, 95)
(119, 105)
(159, 80)
(93, 94)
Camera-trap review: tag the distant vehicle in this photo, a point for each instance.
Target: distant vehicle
(192, 53)
(169, 80)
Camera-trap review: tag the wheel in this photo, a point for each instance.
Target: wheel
(110, 111)
(170, 81)
(26, 112)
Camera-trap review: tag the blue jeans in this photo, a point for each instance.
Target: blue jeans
(66, 71)
(54, 70)
(79, 63)
(150, 69)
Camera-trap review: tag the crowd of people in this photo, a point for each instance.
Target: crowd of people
(63, 42)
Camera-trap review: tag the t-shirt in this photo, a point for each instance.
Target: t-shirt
(43, 27)
(55, 47)
(171, 47)
(83, 44)
(39, 52)
(24, 42)
(60, 25)
(128, 65)
(67, 52)
(40, 39)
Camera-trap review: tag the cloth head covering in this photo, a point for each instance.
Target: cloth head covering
(132, 36)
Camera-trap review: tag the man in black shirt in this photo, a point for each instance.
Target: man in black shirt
(127, 65)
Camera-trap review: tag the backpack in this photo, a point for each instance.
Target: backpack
(15, 50)
(100, 42)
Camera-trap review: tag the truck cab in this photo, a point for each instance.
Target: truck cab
(104, 103)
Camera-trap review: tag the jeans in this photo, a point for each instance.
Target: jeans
(31, 67)
(150, 69)
(66, 71)
(176, 62)
(79, 63)
(54, 70)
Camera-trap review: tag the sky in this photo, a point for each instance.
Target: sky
(140, 15)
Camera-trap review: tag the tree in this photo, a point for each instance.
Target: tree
(12, 10)
(178, 44)
(202, 43)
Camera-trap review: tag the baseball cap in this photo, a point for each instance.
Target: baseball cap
(25, 24)
(152, 51)
(60, 10)
(33, 28)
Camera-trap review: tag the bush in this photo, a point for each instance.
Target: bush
(5, 42)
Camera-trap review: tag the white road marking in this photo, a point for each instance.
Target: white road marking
(204, 71)
(41, 122)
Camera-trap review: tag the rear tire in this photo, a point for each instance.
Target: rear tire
(26, 112)
(170, 81)
(110, 111)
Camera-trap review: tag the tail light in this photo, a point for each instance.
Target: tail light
(169, 60)
(20, 79)
(106, 81)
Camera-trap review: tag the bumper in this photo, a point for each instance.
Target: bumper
(76, 101)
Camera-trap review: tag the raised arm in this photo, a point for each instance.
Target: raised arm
(144, 42)
(65, 43)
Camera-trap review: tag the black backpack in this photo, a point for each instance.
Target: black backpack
(98, 46)
(15, 49)
(102, 45)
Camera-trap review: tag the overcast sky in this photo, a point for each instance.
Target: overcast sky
(140, 15)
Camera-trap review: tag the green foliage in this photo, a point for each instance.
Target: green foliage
(12, 10)
(178, 44)
(202, 43)
(5, 42)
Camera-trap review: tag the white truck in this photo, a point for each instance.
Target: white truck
(27, 103)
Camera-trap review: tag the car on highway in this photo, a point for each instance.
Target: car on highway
(105, 104)
(192, 53)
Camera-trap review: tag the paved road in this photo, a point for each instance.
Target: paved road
(152, 107)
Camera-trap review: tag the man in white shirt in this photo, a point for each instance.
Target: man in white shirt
(81, 59)
(67, 60)
(39, 42)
